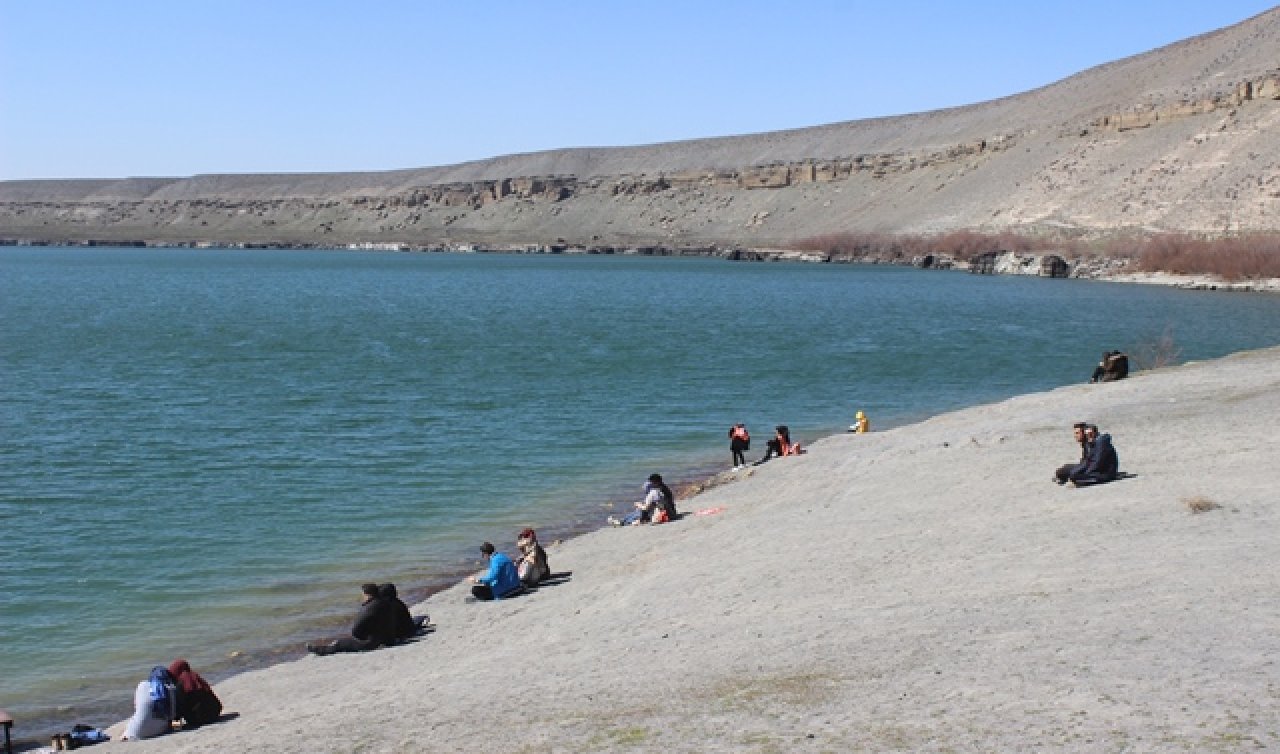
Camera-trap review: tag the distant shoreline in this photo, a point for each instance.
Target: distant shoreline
(1002, 263)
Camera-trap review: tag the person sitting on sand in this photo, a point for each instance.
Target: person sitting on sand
(404, 625)
(666, 510)
(1064, 472)
(1114, 366)
(780, 445)
(739, 443)
(501, 580)
(197, 704)
(155, 706)
(643, 514)
(1103, 464)
(533, 567)
(374, 626)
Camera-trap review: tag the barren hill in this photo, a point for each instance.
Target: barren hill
(1182, 138)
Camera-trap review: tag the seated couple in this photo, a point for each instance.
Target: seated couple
(658, 506)
(176, 694)
(1098, 463)
(383, 620)
(503, 578)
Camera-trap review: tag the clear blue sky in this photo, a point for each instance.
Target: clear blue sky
(106, 89)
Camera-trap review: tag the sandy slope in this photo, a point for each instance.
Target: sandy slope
(921, 589)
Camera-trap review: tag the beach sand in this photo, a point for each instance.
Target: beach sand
(926, 588)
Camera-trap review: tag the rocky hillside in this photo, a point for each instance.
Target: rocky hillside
(1183, 138)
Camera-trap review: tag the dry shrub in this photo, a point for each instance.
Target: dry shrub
(962, 245)
(1156, 352)
(1247, 257)
(1200, 504)
(1239, 258)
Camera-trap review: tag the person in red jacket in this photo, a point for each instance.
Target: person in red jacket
(739, 442)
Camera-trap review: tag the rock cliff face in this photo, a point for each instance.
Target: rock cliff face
(1183, 138)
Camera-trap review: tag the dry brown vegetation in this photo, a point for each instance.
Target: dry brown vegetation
(1239, 258)
(1157, 352)
(1201, 504)
(962, 245)
(1248, 257)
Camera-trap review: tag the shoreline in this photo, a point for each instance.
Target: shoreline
(995, 263)
(586, 517)
(1067, 618)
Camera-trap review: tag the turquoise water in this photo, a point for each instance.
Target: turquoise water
(205, 452)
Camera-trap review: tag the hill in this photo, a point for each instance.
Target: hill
(1182, 138)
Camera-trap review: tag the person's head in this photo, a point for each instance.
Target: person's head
(859, 416)
(387, 591)
(1077, 430)
(486, 549)
(179, 667)
(1091, 431)
(655, 479)
(528, 535)
(368, 592)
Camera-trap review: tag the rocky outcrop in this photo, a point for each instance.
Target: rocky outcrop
(1147, 115)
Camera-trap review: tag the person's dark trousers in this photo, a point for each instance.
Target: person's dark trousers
(774, 449)
(1064, 472)
(739, 458)
(482, 592)
(352, 644)
(1084, 480)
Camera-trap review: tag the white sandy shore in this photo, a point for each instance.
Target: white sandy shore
(1195, 282)
(921, 589)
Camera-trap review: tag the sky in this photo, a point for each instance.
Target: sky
(102, 89)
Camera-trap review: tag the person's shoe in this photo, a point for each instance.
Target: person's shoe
(613, 521)
(321, 649)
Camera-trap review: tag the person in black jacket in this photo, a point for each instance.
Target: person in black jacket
(1103, 464)
(374, 626)
(1064, 472)
(404, 624)
(668, 503)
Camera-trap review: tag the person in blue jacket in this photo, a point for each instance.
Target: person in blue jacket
(501, 580)
(1103, 464)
